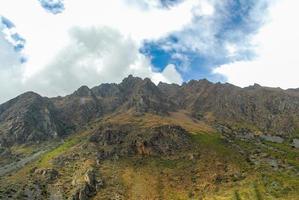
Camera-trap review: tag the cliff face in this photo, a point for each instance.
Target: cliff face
(30, 117)
(270, 110)
(136, 140)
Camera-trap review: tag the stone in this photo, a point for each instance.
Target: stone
(274, 139)
(89, 188)
(295, 143)
(49, 174)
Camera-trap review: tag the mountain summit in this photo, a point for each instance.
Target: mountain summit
(138, 140)
(30, 117)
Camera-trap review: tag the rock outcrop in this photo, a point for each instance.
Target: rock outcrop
(48, 174)
(32, 118)
(91, 185)
(271, 110)
(28, 118)
(130, 140)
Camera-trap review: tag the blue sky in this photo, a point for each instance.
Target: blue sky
(55, 46)
(235, 23)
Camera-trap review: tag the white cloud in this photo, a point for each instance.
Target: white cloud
(8, 56)
(93, 56)
(96, 55)
(58, 63)
(168, 75)
(277, 62)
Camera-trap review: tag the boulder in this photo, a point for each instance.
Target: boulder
(92, 184)
(295, 143)
(48, 174)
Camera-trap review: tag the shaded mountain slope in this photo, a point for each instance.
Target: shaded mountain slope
(77, 109)
(269, 110)
(30, 117)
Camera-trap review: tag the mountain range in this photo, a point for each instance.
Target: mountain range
(138, 140)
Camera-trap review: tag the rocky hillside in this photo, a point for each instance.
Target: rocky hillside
(31, 117)
(139, 141)
(269, 110)
(28, 118)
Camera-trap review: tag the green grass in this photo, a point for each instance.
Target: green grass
(165, 163)
(284, 152)
(276, 184)
(44, 160)
(24, 149)
(214, 143)
(296, 133)
(257, 193)
(212, 140)
(159, 162)
(167, 175)
(265, 183)
(280, 184)
(236, 195)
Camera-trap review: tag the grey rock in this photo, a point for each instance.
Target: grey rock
(32, 118)
(49, 174)
(275, 139)
(295, 143)
(92, 184)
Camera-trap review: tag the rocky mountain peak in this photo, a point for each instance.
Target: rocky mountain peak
(28, 118)
(267, 109)
(83, 91)
(130, 83)
(29, 94)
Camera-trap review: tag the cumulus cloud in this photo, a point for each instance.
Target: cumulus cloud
(52, 6)
(93, 56)
(168, 75)
(11, 41)
(10, 70)
(88, 43)
(276, 47)
(61, 57)
(8, 56)
(220, 33)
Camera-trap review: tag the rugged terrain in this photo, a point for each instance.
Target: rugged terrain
(138, 140)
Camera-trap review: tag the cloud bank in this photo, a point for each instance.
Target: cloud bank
(55, 46)
(276, 46)
(85, 44)
(220, 33)
(93, 56)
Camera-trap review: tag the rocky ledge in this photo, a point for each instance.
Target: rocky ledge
(130, 140)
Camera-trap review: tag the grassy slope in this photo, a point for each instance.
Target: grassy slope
(212, 170)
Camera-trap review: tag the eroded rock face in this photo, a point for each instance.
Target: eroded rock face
(129, 140)
(78, 109)
(92, 184)
(146, 97)
(28, 118)
(48, 174)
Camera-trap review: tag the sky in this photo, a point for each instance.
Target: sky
(53, 47)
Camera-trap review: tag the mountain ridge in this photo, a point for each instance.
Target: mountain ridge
(270, 110)
(137, 140)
